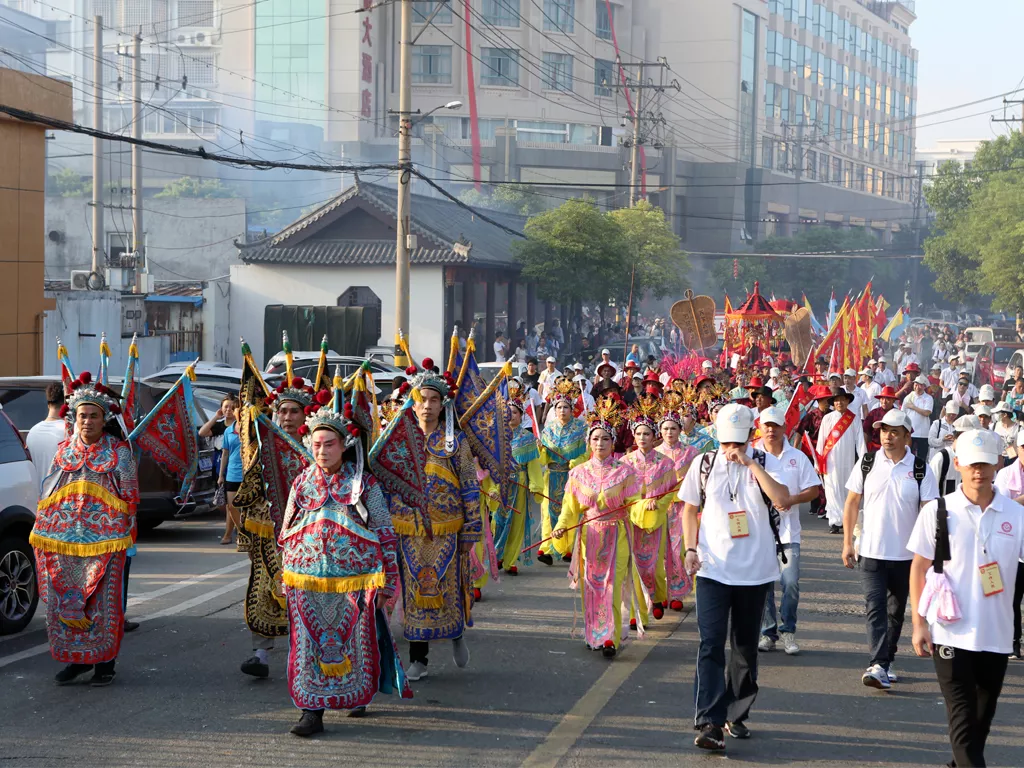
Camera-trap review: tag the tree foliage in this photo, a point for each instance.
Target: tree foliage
(521, 199)
(68, 183)
(651, 245)
(974, 246)
(186, 186)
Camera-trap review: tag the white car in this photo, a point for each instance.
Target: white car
(19, 497)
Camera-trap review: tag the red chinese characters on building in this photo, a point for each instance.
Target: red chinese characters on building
(366, 63)
(367, 68)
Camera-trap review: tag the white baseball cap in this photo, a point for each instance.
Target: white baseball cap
(966, 423)
(733, 423)
(894, 418)
(605, 352)
(922, 380)
(868, 372)
(774, 372)
(707, 364)
(637, 376)
(883, 359)
(578, 367)
(872, 361)
(1002, 407)
(773, 416)
(951, 407)
(953, 358)
(551, 360)
(978, 446)
(987, 393)
(849, 372)
(980, 409)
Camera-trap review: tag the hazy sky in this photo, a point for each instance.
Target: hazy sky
(969, 50)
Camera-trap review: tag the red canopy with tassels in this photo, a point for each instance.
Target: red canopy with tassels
(755, 308)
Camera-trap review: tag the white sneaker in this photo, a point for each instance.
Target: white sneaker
(765, 644)
(460, 652)
(789, 643)
(417, 671)
(891, 672)
(876, 677)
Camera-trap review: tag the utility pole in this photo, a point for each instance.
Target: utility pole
(138, 238)
(402, 235)
(96, 278)
(640, 136)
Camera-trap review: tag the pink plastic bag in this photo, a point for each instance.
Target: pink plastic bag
(938, 601)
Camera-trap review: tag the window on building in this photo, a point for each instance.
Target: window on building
(770, 102)
(824, 163)
(432, 64)
(422, 9)
(550, 133)
(195, 13)
(767, 152)
(811, 166)
(826, 120)
(774, 47)
(782, 157)
(748, 78)
(556, 71)
(679, 219)
(859, 178)
(848, 174)
(603, 77)
(558, 15)
(837, 170)
(500, 66)
(604, 20)
(783, 94)
(500, 13)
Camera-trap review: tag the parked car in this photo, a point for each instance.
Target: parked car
(304, 364)
(993, 364)
(19, 497)
(212, 376)
(24, 401)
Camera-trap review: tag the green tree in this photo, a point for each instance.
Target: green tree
(70, 184)
(574, 253)
(521, 199)
(186, 186)
(652, 248)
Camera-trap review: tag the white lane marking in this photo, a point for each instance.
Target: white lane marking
(170, 611)
(134, 600)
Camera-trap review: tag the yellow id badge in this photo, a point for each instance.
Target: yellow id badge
(738, 525)
(991, 579)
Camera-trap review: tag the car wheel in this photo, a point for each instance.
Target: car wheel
(19, 594)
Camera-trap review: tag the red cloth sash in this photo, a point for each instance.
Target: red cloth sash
(834, 437)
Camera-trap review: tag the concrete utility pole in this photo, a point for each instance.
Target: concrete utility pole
(402, 235)
(96, 278)
(138, 237)
(640, 136)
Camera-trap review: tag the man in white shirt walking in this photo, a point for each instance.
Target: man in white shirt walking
(949, 377)
(884, 376)
(840, 442)
(796, 472)
(978, 547)
(893, 484)
(918, 405)
(941, 433)
(736, 563)
(44, 437)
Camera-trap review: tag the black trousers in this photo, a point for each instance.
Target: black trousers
(726, 693)
(970, 682)
(886, 589)
(1018, 595)
(418, 650)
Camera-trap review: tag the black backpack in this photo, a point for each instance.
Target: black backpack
(920, 467)
(945, 471)
(707, 461)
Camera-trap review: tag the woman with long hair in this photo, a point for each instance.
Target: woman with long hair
(224, 423)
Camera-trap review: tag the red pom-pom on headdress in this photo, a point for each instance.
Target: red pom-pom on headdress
(115, 408)
(85, 377)
(323, 397)
(303, 430)
(297, 382)
(428, 363)
(64, 411)
(411, 370)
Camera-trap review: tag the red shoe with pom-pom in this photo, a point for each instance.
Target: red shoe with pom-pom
(676, 605)
(513, 571)
(609, 649)
(477, 595)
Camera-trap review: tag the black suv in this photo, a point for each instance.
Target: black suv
(24, 401)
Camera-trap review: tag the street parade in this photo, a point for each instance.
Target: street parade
(376, 527)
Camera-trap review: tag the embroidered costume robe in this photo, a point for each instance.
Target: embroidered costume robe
(337, 555)
(602, 557)
(84, 525)
(437, 591)
(560, 446)
(657, 477)
(513, 529)
(679, 581)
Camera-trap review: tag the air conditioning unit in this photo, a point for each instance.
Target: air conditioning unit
(199, 93)
(182, 39)
(80, 279)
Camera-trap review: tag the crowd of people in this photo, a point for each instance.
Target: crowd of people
(657, 482)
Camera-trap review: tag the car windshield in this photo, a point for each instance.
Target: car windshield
(1003, 354)
(11, 449)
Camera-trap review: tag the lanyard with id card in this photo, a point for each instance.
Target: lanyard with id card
(738, 527)
(991, 579)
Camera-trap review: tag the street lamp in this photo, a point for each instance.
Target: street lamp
(449, 105)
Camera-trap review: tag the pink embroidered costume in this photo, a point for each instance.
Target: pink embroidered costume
(681, 455)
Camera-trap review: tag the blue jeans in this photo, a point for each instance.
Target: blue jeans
(726, 692)
(886, 589)
(790, 581)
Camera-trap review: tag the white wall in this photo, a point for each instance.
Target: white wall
(217, 341)
(79, 320)
(254, 287)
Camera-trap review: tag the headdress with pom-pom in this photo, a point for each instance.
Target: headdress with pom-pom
(644, 412)
(445, 385)
(82, 390)
(330, 411)
(293, 388)
(675, 408)
(564, 391)
(607, 415)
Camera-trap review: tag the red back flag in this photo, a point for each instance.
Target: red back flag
(795, 409)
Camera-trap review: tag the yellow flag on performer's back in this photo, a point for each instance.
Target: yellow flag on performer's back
(895, 323)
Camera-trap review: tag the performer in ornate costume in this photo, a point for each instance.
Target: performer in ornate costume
(435, 564)
(562, 443)
(281, 458)
(648, 516)
(84, 526)
(514, 527)
(681, 455)
(339, 567)
(598, 495)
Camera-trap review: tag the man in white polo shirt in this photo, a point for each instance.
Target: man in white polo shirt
(985, 533)
(797, 473)
(1010, 483)
(918, 405)
(884, 376)
(735, 563)
(893, 484)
